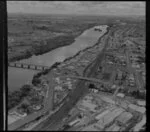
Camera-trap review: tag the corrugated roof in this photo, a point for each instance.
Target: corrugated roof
(109, 117)
(124, 117)
(137, 108)
(113, 127)
(101, 114)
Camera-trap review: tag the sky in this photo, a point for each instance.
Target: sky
(77, 7)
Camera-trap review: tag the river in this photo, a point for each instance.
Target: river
(18, 77)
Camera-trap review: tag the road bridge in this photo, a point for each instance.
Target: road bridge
(28, 66)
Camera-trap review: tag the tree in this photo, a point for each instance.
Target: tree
(24, 108)
(36, 81)
(25, 90)
(91, 85)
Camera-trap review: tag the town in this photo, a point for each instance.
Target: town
(102, 87)
(117, 102)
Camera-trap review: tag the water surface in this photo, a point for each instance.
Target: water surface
(18, 76)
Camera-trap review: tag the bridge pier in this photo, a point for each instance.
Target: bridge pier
(28, 66)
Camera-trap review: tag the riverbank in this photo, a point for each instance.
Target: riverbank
(46, 45)
(98, 39)
(68, 59)
(36, 78)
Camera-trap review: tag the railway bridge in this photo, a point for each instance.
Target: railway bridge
(28, 66)
(88, 79)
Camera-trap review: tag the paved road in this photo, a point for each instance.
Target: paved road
(72, 98)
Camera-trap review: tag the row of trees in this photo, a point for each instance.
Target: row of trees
(14, 98)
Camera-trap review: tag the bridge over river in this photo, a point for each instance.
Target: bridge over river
(28, 66)
(88, 79)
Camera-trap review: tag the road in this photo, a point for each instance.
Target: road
(47, 107)
(73, 97)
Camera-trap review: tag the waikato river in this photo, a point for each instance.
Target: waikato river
(18, 77)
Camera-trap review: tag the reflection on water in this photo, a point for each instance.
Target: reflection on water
(88, 38)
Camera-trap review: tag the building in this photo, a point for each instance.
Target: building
(87, 106)
(36, 107)
(141, 102)
(120, 95)
(114, 86)
(108, 118)
(108, 100)
(113, 127)
(124, 118)
(131, 77)
(58, 88)
(74, 122)
(94, 90)
(85, 120)
(101, 114)
(119, 75)
(90, 128)
(57, 80)
(137, 108)
(139, 125)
